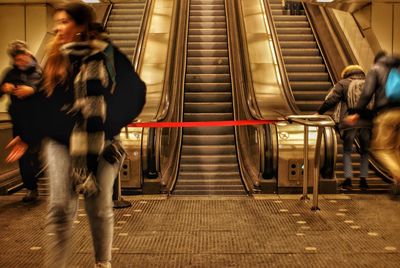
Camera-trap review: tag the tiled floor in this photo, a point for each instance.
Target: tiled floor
(265, 231)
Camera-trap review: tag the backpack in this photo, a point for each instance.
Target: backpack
(354, 92)
(353, 95)
(392, 87)
(129, 96)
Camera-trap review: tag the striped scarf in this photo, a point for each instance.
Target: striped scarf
(89, 107)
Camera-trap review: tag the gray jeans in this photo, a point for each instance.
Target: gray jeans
(63, 204)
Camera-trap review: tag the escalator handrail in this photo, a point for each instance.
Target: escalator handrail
(107, 15)
(278, 55)
(175, 112)
(231, 18)
(320, 47)
(143, 30)
(245, 83)
(165, 102)
(312, 120)
(241, 84)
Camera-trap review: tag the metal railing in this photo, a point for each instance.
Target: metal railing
(319, 121)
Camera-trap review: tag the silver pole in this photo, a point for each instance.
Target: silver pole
(305, 170)
(316, 168)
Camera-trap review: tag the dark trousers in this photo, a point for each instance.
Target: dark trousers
(30, 167)
(364, 137)
(293, 6)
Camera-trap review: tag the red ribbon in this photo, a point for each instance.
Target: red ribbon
(201, 123)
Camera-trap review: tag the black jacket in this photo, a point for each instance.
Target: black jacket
(338, 96)
(375, 84)
(54, 121)
(21, 110)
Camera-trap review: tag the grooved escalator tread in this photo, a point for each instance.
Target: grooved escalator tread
(208, 156)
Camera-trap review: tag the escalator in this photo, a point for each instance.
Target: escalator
(124, 25)
(309, 79)
(208, 163)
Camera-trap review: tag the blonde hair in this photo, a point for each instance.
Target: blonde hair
(57, 68)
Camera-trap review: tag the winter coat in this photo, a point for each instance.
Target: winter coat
(21, 110)
(375, 85)
(56, 122)
(338, 96)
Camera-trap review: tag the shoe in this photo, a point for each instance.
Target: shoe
(346, 184)
(31, 196)
(363, 184)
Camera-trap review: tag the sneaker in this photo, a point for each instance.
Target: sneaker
(346, 184)
(363, 184)
(31, 196)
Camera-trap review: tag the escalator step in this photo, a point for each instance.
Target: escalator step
(197, 117)
(208, 107)
(209, 140)
(211, 96)
(209, 159)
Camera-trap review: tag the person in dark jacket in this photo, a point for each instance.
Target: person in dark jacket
(385, 143)
(294, 7)
(21, 83)
(339, 96)
(88, 100)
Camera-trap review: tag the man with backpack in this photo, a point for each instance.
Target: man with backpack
(344, 95)
(385, 143)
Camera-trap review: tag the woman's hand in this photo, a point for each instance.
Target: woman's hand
(18, 149)
(8, 88)
(23, 91)
(351, 119)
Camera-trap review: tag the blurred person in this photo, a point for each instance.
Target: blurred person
(343, 94)
(21, 82)
(294, 7)
(385, 143)
(88, 100)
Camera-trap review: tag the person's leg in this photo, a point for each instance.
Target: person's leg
(99, 208)
(36, 162)
(63, 203)
(384, 143)
(28, 175)
(348, 139)
(364, 139)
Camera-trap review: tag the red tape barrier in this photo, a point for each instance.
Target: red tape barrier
(202, 123)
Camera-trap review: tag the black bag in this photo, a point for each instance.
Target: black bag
(129, 96)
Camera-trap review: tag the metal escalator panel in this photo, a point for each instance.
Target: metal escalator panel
(208, 163)
(308, 77)
(124, 25)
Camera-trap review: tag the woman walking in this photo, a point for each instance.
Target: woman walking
(79, 119)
